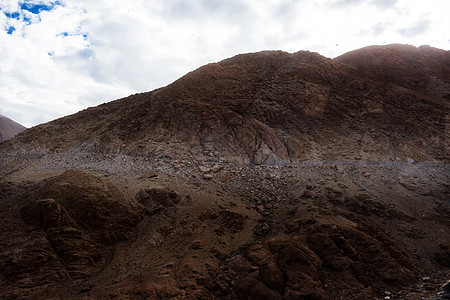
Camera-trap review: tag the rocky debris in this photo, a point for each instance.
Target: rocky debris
(407, 182)
(445, 294)
(152, 174)
(157, 199)
(208, 176)
(217, 168)
(310, 187)
(307, 194)
(204, 169)
(196, 245)
(230, 222)
(347, 230)
(272, 177)
(262, 228)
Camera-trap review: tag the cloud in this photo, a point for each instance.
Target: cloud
(62, 56)
(346, 3)
(380, 28)
(380, 4)
(384, 4)
(415, 29)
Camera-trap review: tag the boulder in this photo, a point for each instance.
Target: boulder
(156, 199)
(204, 169)
(96, 205)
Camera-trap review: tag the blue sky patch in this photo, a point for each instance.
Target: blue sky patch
(10, 30)
(75, 33)
(25, 8)
(38, 8)
(17, 15)
(27, 20)
(14, 15)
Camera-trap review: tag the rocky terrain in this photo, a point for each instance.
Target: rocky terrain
(9, 128)
(264, 176)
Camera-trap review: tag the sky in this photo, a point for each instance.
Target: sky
(59, 57)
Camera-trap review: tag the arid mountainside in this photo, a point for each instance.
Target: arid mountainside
(264, 176)
(9, 128)
(271, 107)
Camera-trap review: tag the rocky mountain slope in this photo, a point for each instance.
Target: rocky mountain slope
(273, 107)
(9, 128)
(265, 176)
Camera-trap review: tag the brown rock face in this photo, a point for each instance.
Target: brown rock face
(156, 199)
(96, 205)
(376, 104)
(75, 247)
(286, 269)
(290, 268)
(66, 232)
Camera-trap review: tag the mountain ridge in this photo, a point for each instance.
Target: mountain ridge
(272, 107)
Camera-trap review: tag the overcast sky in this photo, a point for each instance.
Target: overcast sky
(58, 57)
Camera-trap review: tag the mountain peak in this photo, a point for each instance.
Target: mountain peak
(9, 128)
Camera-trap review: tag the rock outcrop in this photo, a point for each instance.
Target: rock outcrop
(97, 205)
(69, 219)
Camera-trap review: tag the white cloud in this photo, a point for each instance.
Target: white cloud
(77, 54)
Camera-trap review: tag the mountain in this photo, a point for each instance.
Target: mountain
(9, 128)
(272, 107)
(267, 175)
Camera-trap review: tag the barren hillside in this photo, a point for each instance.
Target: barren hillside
(264, 176)
(271, 107)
